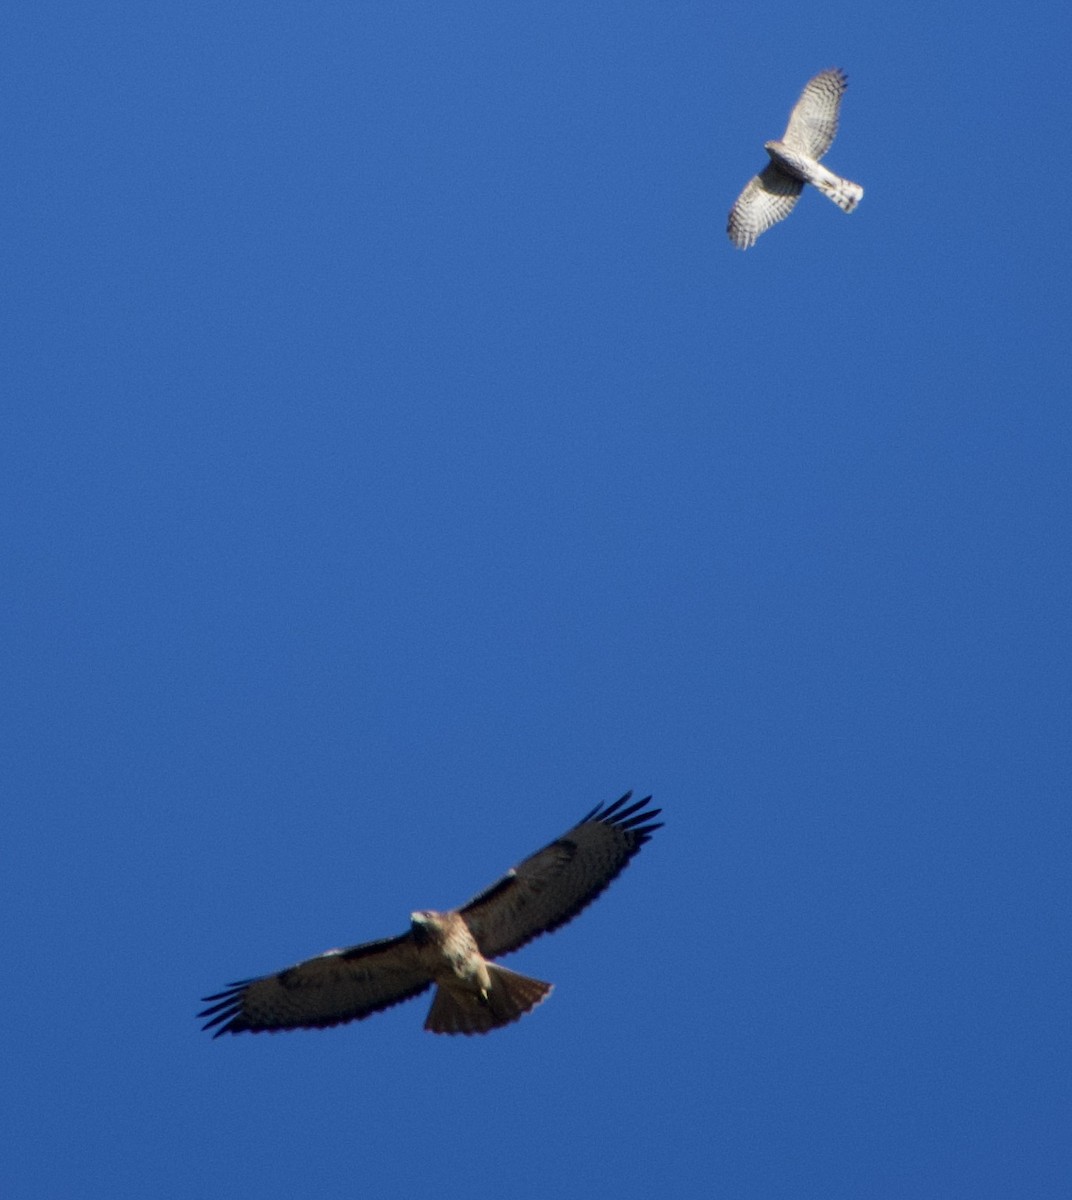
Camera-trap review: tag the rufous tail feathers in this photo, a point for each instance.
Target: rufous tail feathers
(510, 996)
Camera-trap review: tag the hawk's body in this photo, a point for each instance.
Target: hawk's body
(472, 994)
(769, 197)
(450, 949)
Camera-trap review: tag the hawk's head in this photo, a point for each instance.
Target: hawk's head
(425, 926)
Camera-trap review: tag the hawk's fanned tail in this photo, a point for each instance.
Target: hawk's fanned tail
(511, 996)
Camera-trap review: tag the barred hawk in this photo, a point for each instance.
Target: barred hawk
(769, 197)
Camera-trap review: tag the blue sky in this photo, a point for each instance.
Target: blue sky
(397, 460)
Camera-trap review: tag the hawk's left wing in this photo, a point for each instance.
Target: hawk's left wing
(552, 886)
(341, 985)
(814, 119)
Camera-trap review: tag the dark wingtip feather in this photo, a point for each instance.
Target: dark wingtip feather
(228, 993)
(227, 1007)
(600, 812)
(636, 818)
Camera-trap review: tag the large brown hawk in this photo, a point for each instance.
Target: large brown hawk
(450, 949)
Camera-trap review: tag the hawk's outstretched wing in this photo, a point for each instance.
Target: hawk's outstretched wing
(552, 886)
(341, 985)
(814, 119)
(767, 199)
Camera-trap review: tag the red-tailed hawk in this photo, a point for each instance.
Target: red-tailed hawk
(450, 949)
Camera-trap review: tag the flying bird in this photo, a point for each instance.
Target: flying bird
(450, 949)
(794, 161)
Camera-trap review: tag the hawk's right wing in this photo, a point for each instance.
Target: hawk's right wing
(341, 985)
(767, 199)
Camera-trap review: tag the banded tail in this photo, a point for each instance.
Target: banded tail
(844, 193)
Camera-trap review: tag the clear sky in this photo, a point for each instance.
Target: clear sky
(396, 459)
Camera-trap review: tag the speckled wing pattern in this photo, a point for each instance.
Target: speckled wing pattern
(553, 885)
(769, 197)
(341, 985)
